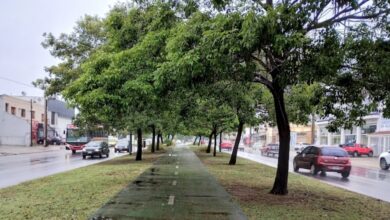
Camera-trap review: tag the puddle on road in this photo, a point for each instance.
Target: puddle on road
(41, 160)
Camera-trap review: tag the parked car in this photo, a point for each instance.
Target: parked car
(357, 150)
(300, 147)
(324, 159)
(96, 148)
(51, 140)
(122, 145)
(226, 145)
(384, 160)
(270, 150)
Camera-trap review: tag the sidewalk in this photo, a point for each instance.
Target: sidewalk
(178, 186)
(16, 150)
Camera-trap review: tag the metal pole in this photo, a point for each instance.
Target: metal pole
(45, 140)
(31, 126)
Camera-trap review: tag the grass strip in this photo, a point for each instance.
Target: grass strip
(249, 183)
(74, 194)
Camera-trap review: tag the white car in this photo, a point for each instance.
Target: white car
(384, 160)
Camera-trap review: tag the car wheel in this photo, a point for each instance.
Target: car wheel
(58, 143)
(107, 155)
(115, 150)
(313, 170)
(370, 154)
(355, 154)
(84, 156)
(345, 174)
(100, 155)
(73, 151)
(323, 173)
(383, 164)
(296, 168)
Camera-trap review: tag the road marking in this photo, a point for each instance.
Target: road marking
(177, 167)
(174, 183)
(176, 173)
(170, 155)
(171, 200)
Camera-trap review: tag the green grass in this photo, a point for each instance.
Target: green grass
(74, 194)
(249, 183)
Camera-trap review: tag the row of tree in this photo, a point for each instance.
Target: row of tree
(206, 67)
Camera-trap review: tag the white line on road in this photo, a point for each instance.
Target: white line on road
(176, 173)
(171, 200)
(174, 183)
(177, 167)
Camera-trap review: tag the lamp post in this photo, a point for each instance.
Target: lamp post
(31, 124)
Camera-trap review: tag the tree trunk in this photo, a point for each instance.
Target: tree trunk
(200, 139)
(233, 157)
(158, 142)
(139, 144)
(196, 137)
(209, 146)
(153, 137)
(220, 141)
(281, 179)
(215, 143)
(131, 144)
(162, 141)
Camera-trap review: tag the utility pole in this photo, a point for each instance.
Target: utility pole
(31, 125)
(45, 140)
(312, 128)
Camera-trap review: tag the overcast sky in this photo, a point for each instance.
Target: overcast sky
(22, 23)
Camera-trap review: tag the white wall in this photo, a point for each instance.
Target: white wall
(14, 130)
(61, 125)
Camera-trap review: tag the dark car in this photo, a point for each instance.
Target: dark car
(270, 150)
(122, 145)
(323, 159)
(50, 140)
(96, 148)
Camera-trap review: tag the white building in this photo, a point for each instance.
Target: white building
(22, 117)
(374, 133)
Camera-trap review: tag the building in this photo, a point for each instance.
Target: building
(265, 134)
(23, 117)
(60, 116)
(375, 133)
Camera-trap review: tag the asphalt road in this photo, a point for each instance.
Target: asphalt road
(372, 182)
(15, 169)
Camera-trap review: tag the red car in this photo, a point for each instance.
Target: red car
(357, 150)
(227, 145)
(323, 159)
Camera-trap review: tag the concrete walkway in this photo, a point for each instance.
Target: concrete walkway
(178, 186)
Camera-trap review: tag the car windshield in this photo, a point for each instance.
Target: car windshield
(122, 142)
(93, 144)
(333, 151)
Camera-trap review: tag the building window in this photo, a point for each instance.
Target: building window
(53, 118)
(32, 114)
(13, 110)
(6, 107)
(23, 113)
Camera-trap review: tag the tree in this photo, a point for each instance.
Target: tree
(295, 42)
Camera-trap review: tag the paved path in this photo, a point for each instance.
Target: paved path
(178, 186)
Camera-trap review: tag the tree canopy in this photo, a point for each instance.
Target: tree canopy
(198, 67)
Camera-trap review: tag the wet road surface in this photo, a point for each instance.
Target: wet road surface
(16, 169)
(367, 181)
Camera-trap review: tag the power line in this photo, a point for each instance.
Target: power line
(17, 82)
